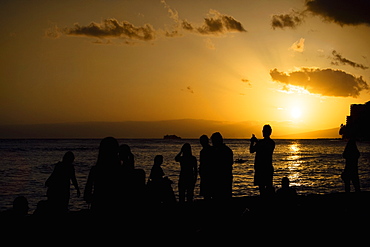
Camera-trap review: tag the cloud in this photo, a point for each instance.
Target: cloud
(328, 82)
(290, 20)
(188, 89)
(339, 59)
(247, 82)
(209, 44)
(298, 45)
(53, 32)
(109, 28)
(174, 15)
(344, 12)
(215, 24)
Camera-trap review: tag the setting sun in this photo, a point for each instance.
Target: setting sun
(296, 112)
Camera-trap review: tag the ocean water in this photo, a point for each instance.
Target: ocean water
(313, 166)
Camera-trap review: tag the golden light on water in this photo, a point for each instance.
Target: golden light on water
(294, 148)
(294, 164)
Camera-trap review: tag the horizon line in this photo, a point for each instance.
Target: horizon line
(186, 128)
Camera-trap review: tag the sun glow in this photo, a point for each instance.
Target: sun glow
(296, 112)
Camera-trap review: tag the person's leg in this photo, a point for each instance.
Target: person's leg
(181, 193)
(347, 186)
(356, 182)
(262, 189)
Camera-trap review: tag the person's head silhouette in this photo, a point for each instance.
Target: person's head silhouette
(217, 139)
(20, 206)
(68, 157)
(266, 131)
(158, 160)
(186, 149)
(108, 151)
(285, 182)
(204, 140)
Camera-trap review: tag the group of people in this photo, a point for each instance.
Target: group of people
(114, 183)
(215, 170)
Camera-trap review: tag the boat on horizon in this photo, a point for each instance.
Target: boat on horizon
(171, 137)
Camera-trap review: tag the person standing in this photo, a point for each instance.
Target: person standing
(133, 179)
(58, 184)
(188, 173)
(263, 168)
(222, 180)
(205, 168)
(350, 173)
(159, 186)
(104, 184)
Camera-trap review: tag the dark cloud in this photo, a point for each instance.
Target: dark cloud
(290, 20)
(326, 82)
(343, 12)
(187, 25)
(339, 59)
(109, 28)
(216, 23)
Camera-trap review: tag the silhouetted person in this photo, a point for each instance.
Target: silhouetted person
(19, 210)
(205, 167)
(263, 169)
(133, 179)
(104, 184)
(20, 206)
(58, 184)
(42, 208)
(286, 192)
(127, 157)
(351, 154)
(222, 168)
(188, 173)
(160, 188)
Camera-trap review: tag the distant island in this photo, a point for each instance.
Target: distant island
(171, 137)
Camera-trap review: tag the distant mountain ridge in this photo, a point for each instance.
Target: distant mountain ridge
(186, 128)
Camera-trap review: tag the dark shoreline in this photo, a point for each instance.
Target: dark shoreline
(239, 218)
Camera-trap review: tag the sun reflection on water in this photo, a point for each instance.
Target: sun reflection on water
(294, 164)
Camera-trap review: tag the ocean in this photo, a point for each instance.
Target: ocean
(313, 166)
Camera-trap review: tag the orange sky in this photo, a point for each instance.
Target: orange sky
(292, 63)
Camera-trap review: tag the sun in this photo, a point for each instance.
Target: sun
(296, 112)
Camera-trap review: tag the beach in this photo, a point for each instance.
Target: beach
(331, 218)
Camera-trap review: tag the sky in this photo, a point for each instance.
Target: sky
(298, 64)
